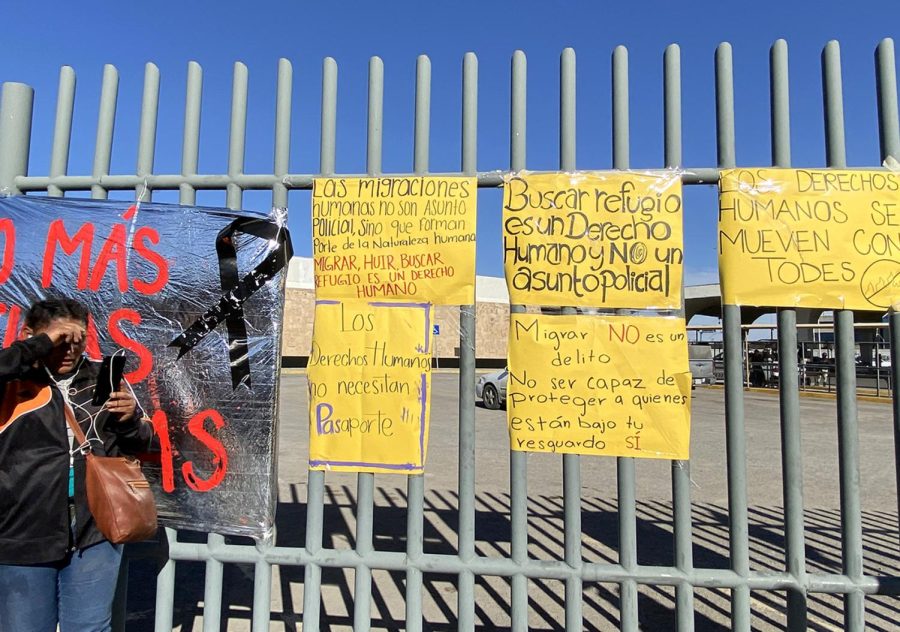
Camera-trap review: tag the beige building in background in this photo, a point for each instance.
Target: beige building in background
(491, 319)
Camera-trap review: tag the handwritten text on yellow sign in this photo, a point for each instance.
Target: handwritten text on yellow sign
(409, 238)
(810, 238)
(369, 378)
(599, 385)
(593, 238)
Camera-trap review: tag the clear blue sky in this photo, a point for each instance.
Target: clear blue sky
(39, 38)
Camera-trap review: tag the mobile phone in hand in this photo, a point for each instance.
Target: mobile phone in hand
(110, 378)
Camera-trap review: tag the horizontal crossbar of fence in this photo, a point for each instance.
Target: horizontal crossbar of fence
(533, 569)
(262, 182)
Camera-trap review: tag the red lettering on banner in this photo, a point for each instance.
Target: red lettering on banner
(162, 266)
(9, 248)
(12, 323)
(145, 358)
(113, 251)
(92, 343)
(161, 426)
(57, 236)
(220, 457)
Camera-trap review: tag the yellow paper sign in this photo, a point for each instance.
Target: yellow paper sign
(810, 238)
(611, 239)
(410, 238)
(369, 378)
(608, 385)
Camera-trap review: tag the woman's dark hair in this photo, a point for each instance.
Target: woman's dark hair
(43, 312)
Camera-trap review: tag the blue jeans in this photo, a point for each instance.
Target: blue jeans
(77, 592)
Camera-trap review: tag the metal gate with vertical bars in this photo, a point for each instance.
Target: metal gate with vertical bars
(798, 582)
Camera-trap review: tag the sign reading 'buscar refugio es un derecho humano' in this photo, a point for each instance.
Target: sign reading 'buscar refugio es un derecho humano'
(825, 239)
(610, 239)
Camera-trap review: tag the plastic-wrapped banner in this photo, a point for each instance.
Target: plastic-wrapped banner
(195, 296)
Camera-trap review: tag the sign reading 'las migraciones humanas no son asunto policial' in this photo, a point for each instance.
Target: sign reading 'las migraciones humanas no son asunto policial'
(825, 239)
(410, 238)
(385, 251)
(594, 238)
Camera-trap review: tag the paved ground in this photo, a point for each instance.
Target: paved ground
(599, 517)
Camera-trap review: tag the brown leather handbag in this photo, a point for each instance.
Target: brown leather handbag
(119, 497)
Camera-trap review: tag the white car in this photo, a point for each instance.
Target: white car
(491, 388)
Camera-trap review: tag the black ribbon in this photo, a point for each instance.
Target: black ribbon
(230, 307)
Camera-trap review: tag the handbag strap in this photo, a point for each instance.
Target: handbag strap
(76, 428)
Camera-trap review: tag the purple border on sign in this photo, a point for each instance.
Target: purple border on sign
(423, 399)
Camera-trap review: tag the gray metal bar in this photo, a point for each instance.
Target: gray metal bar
(415, 536)
(792, 467)
(549, 569)
(237, 135)
(312, 574)
(518, 111)
(724, 107)
(190, 148)
(145, 155)
(365, 485)
(262, 575)
(894, 318)
(627, 501)
(518, 461)
(779, 86)
(886, 85)
(105, 123)
(295, 181)
(365, 498)
(848, 463)
(212, 593)
(571, 462)
(422, 126)
(567, 110)
(620, 121)
(672, 104)
(466, 582)
(681, 473)
(376, 116)
(282, 158)
(165, 588)
(845, 365)
(315, 493)
(734, 379)
(889, 135)
(415, 485)
(329, 116)
(62, 129)
(212, 587)
(147, 138)
(165, 579)
(789, 384)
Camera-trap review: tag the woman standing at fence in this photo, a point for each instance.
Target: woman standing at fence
(55, 566)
